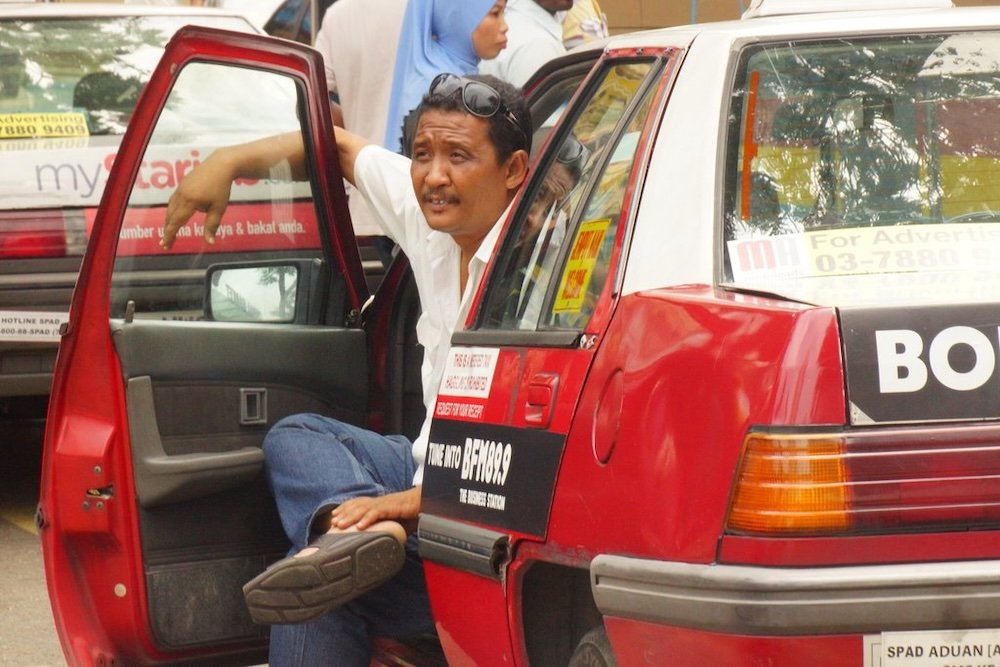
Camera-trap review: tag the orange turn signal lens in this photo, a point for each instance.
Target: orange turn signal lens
(794, 483)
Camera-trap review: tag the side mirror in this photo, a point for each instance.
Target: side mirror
(261, 292)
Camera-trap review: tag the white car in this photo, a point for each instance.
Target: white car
(70, 75)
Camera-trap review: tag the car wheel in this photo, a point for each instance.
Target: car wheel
(594, 650)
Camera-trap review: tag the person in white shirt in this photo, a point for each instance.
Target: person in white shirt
(346, 494)
(534, 36)
(358, 41)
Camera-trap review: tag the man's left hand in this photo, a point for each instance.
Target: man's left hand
(362, 512)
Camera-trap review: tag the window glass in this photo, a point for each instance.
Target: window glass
(559, 255)
(588, 264)
(285, 20)
(547, 107)
(68, 86)
(211, 106)
(56, 74)
(864, 157)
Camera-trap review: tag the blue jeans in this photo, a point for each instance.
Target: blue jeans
(314, 463)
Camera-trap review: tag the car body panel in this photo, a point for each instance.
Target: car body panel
(636, 438)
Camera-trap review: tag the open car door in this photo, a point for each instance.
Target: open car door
(154, 508)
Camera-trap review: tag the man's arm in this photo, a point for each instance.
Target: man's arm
(348, 147)
(337, 114)
(207, 188)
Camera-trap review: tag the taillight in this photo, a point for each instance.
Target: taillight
(864, 481)
(33, 233)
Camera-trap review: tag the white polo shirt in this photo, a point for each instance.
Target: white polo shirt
(383, 178)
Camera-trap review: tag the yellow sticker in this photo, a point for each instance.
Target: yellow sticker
(580, 266)
(30, 125)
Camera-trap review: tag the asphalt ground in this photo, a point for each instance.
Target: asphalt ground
(27, 632)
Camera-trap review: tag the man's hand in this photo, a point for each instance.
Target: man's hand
(206, 188)
(361, 513)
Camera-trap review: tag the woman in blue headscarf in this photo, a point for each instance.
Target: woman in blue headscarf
(440, 36)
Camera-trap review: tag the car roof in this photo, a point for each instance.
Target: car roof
(59, 10)
(817, 24)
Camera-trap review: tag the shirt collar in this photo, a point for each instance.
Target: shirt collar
(486, 248)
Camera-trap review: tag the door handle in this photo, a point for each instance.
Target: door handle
(253, 406)
(539, 399)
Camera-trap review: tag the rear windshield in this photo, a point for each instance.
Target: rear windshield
(68, 87)
(859, 157)
(81, 76)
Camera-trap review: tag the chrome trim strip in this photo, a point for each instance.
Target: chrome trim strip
(799, 601)
(463, 546)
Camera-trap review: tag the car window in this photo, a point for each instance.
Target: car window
(286, 20)
(559, 248)
(80, 76)
(68, 87)
(548, 106)
(863, 157)
(293, 20)
(212, 106)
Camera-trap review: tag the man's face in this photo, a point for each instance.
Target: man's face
(461, 187)
(553, 6)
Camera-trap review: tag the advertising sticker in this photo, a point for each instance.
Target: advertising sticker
(494, 475)
(31, 326)
(245, 227)
(922, 364)
(18, 125)
(580, 266)
(866, 250)
(466, 384)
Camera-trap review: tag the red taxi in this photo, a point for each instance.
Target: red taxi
(729, 394)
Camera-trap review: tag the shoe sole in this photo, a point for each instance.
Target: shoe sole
(295, 592)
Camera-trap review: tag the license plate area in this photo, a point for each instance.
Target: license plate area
(933, 648)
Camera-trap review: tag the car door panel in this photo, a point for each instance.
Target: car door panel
(518, 374)
(155, 508)
(197, 460)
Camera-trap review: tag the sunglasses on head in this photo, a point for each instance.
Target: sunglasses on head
(478, 98)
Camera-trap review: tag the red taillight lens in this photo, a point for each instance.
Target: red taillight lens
(27, 234)
(881, 480)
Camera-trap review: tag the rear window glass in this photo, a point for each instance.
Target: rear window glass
(864, 156)
(81, 76)
(68, 87)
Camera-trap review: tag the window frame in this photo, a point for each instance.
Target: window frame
(663, 65)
